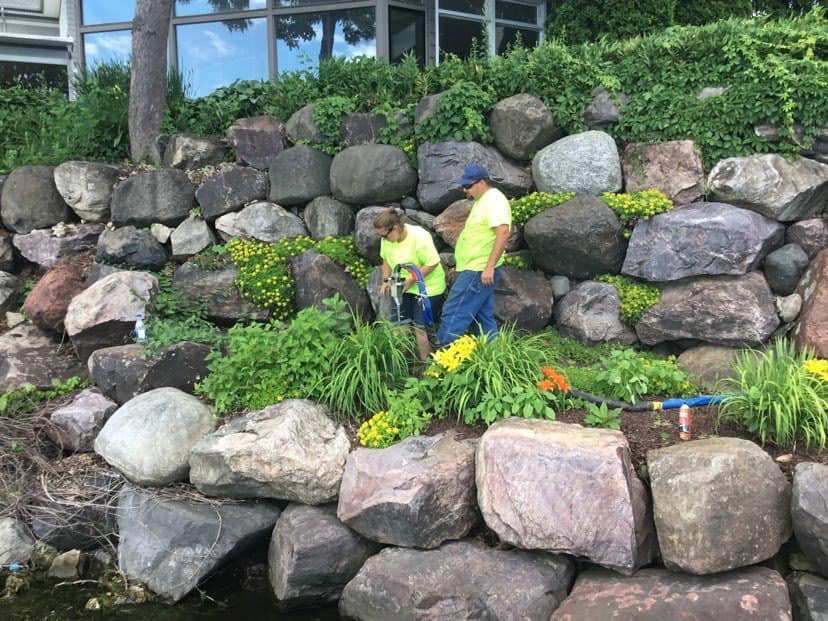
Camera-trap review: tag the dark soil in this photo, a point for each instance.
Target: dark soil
(646, 431)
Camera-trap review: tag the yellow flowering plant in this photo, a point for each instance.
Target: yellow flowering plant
(404, 418)
(636, 297)
(817, 367)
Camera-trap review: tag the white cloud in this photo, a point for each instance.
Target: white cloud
(218, 44)
(108, 46)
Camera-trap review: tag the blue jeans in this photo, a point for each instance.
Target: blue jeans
(470, 304)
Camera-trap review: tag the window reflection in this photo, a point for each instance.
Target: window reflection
(516, 12)
(202, 7)
(107, 47)
(215, 54)
(33, 75)
(107, 11)
(476, 7)
(303, 39)
(507, 35)
(406, 33)
(457, 36)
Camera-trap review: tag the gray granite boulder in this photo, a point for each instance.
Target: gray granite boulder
(312, 555)
(657, 595)
(591, 313)
(10, 288)
(603, 514)
(16, 543)
(45, 247)
(809, 512)
(418, 493)
(30, 200)
(809, 596)
(257, 140)
(188, 152)
(372, 173)
(172, 545)
(732, 311)
(718, 504)
(604, 109)
(230, 189)
(149, 438)
(700, 239)
(522, 124)
(586, 163)
(6, 252)
(441, 165)
(87, 188)
(216, 288)
(300, 127)
(811, 235)
(104, 314)
(76, 425)
(708, 364)
(191, 237)
(361, 128)
(291, 450)
(317, 278)
(783, 267)
(769, 184)
(582, 238)
(523, 298)
(132, 247)
(426, 108)
(164, 196)
(366, 241)
(30, 356)
(674, 168)
(263, 221)
(457, 581)
(325, 216)
(298, 175)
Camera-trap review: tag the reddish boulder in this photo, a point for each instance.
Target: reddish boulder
(46, 304)
(811, 329)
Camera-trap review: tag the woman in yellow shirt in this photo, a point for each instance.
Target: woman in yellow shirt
(408, 243)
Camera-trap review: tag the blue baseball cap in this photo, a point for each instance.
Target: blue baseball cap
(472, 173)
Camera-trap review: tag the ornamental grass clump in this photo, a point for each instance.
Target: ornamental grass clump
(780, 395)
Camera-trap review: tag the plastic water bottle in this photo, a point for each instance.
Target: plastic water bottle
(140, 331)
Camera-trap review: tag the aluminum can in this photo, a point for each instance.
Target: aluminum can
(685, 422)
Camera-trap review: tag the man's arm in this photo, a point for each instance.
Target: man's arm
(501, 237)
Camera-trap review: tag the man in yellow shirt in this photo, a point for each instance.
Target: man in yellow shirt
(478, 253)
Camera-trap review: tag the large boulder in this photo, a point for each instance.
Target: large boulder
(298, 175)
(16, 543)
(603, 515)
(372, 173)
(708, 364)
(809, 512)
(6, 252)
(87, 188)
(317, 277)
(216, 288)
(300, 127)
(149, 438)
(657, 594)
(811, 235)
(164, 196)
(189, 152)
(769, 184)
(191, 237)
(291, 450)
(582, 238)
(263, 221)
(783, 267)
(132, 247)
(76, 425)
(441, 165)
(172, 545)
(46, 247)
(586, 163)
(418, 493)
(591, 313)
(30, 356)
(47, 302)
(733, 311)
(674, 167)
(457, 581)
(811, 329)
(230, 189)
(809, 596)
(718, 504)
(104, 314)
(30, 200)
(367, 242)
(257, 140)
(524, 298)
(361, 128)
(10, 287)
(605, 109)
(700, 239)
(325, 216)
(521, 125)
(313, 555)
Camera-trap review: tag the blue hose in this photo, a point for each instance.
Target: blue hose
(649, 406)
(422, 295)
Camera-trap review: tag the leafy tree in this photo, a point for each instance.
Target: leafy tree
(698, 12)
(357, 25)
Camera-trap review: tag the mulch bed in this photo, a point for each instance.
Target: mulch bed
(646, 431)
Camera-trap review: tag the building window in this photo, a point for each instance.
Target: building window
(459, 36)
(215, 54)
(406, 34)
(206, 7)
(508, 35)
(112, 46)
(303, 39)
(33, 75)
(106, 11)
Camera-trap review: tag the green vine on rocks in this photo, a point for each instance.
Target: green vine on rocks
(327, 116)
(461, 114)
(636, 297)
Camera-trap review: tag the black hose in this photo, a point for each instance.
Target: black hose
(640, 406)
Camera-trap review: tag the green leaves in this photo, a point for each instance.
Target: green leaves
(601, 416)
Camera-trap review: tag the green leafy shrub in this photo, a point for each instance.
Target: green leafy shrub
(461, 114)
(532, 204)
(581, 21)
(602, 416)
(629, 375)
(25, 399)
(403, 418)
(636, 297)
(776, 398)
(516, 261)
(640, 205)
(267, 363)
(371, 364)
(342, 251)
(327, 116)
